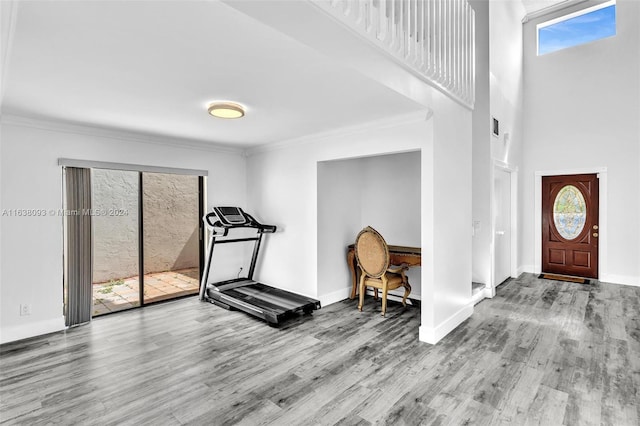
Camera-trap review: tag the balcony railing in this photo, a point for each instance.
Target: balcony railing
(434, 38)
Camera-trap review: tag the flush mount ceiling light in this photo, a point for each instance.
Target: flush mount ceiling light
(225, 110)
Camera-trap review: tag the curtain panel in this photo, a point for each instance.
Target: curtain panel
(78, 253)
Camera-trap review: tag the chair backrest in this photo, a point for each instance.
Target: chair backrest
(372, 252)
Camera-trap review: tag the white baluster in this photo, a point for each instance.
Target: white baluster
(381, 21)
(367, 6)
(433, 37)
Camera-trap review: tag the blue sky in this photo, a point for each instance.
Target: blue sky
(578, 30)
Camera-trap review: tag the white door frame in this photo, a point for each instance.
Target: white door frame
(490, 290)
(602, 216)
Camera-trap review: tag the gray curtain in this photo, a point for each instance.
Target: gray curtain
(78, 261)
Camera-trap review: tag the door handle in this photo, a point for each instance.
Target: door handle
(595, 226)
(595, 234)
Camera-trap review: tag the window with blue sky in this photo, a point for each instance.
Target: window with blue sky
(577, 28)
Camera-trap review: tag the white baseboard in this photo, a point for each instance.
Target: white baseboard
(338, 295)
(527, 268)
(32, 329)
(489, 292)
(434, 334)
(397, 295)
(620, 279)
(335, 296)
(477, 298)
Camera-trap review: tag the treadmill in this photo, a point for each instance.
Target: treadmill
(268, 303)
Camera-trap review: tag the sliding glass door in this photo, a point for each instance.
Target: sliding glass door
(171, 235)
(116, 263)
(146, 238)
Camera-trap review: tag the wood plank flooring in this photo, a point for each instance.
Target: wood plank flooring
(540, 352)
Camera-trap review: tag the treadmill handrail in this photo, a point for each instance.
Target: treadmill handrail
(220, 228)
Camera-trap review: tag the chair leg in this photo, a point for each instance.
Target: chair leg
(406, 294)
(385, 291)
(407, 290)
(361, 296)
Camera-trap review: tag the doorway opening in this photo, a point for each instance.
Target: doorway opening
(504, 238)
(382, 191)
(502, 226)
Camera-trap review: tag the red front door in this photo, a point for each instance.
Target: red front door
(570, 225)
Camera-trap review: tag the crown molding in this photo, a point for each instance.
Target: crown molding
(113, 133)
(551, 9)
(399, 120)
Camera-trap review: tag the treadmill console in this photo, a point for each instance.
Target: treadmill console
(231, 215)
(222, 219)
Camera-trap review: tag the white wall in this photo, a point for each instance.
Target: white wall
(446, 209)
(283, 186)
(506, 79)
(499, 94)
(390, 193)
(339, 202)
(379, 191)
(507, 105)
(7, 14)
(582, 106)
(481, 147)
(31, 179)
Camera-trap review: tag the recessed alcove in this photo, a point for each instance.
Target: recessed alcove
(381, 191)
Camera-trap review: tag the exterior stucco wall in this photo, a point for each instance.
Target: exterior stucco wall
(170, 204)
(171, 221)
(115, 237)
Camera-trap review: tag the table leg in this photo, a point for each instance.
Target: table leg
(351, 258)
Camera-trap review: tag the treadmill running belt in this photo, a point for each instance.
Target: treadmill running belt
(267, 297)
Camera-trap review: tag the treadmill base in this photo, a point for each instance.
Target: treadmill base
(268, 303)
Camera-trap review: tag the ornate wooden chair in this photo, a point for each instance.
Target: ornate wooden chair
(372, 255)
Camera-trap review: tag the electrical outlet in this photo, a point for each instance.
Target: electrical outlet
(25, 309)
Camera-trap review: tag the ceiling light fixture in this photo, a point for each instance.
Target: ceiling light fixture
(225, 110)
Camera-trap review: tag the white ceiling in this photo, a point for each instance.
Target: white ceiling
(152, 67)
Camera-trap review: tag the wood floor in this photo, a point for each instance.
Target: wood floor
(540, 352)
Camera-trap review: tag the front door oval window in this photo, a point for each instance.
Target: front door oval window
(569, 212)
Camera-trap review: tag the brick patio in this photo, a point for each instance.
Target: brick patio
(117, 295)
